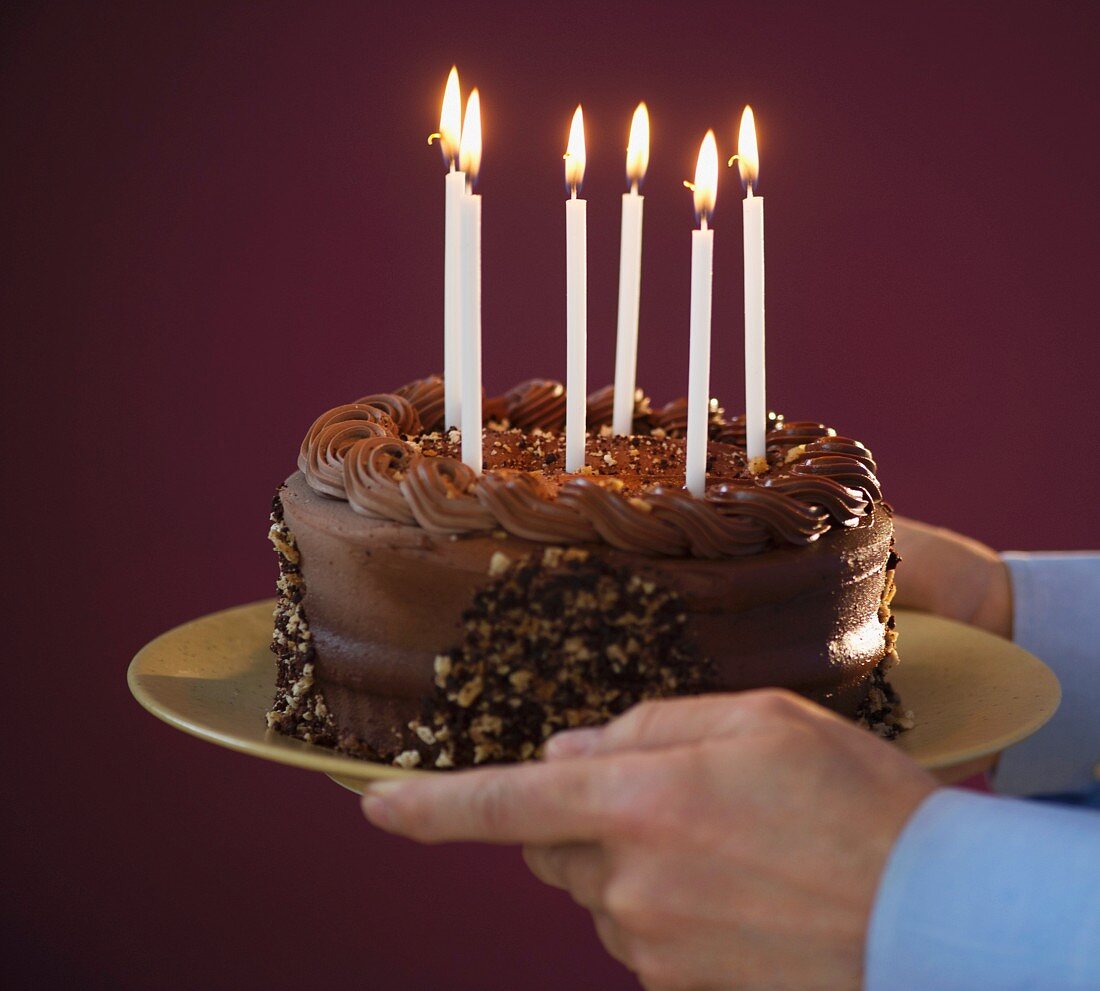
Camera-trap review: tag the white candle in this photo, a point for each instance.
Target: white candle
(470, 279)
(452, 344)
(576, 299)
(756, 403)
(449, 136)
(702, 267)
(630, 274)
(471, 332)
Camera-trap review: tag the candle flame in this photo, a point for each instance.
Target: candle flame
(705, 186)
(450, 115)
(574, 153)
(469, 154)
(637, 146)
(748, 155)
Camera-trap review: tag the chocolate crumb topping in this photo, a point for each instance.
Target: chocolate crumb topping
(556, 640)
(299, 708)
(881, 711)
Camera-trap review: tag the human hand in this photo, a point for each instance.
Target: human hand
(726, 841)
(951, 575)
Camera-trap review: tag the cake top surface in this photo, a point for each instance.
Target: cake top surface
(388, 456)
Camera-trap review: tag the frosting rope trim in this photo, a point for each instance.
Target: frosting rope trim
(367, 454)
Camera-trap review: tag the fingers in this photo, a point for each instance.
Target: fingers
(667, 950)
(906, 528)
(579, 868)
(676, 722)
(664, 964)
(528, 803)
(614, 940)
(952, 575)
(907, 525)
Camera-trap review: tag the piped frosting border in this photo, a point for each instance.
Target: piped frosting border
(369, 453)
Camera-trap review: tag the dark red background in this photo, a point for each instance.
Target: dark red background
(222, 219)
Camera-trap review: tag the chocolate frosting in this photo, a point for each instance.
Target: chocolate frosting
(601, 408)
(672, 418)
(399, 409)
(373, 470)
(426, 395)
(620, 522)
(375, 453)
(537, 404)
(843, 469)
(732, 430)
(321, 457)
(438, 493)
(790, 432)
(524, 506)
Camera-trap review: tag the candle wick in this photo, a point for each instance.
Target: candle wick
(572, 192)
(749, 195)
(703, 223)
(634, 187)
(452, 164)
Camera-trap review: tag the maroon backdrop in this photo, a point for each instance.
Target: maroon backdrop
(222, 219)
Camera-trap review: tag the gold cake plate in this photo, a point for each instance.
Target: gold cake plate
(972, 693)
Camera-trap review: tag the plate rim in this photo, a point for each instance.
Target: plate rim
(289, 751)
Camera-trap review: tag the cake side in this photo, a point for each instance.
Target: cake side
(384, 601)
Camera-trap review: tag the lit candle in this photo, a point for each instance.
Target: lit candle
(449, 136)
(470, 280)
(576, 299)
(705, 189)
(630, 274)
(756, 404)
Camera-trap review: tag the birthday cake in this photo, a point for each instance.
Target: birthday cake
(430, 616)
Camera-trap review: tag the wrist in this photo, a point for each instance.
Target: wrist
(994, 612)
(951, 575)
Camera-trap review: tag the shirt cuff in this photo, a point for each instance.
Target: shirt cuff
(987, 892)
(1055, 598)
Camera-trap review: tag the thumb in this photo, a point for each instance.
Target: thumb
(674, 722)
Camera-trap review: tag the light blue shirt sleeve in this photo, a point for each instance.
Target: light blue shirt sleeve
(996, 893)
(1056, 616)
(990, 893)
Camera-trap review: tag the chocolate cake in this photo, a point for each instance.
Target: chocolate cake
(431, 617)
